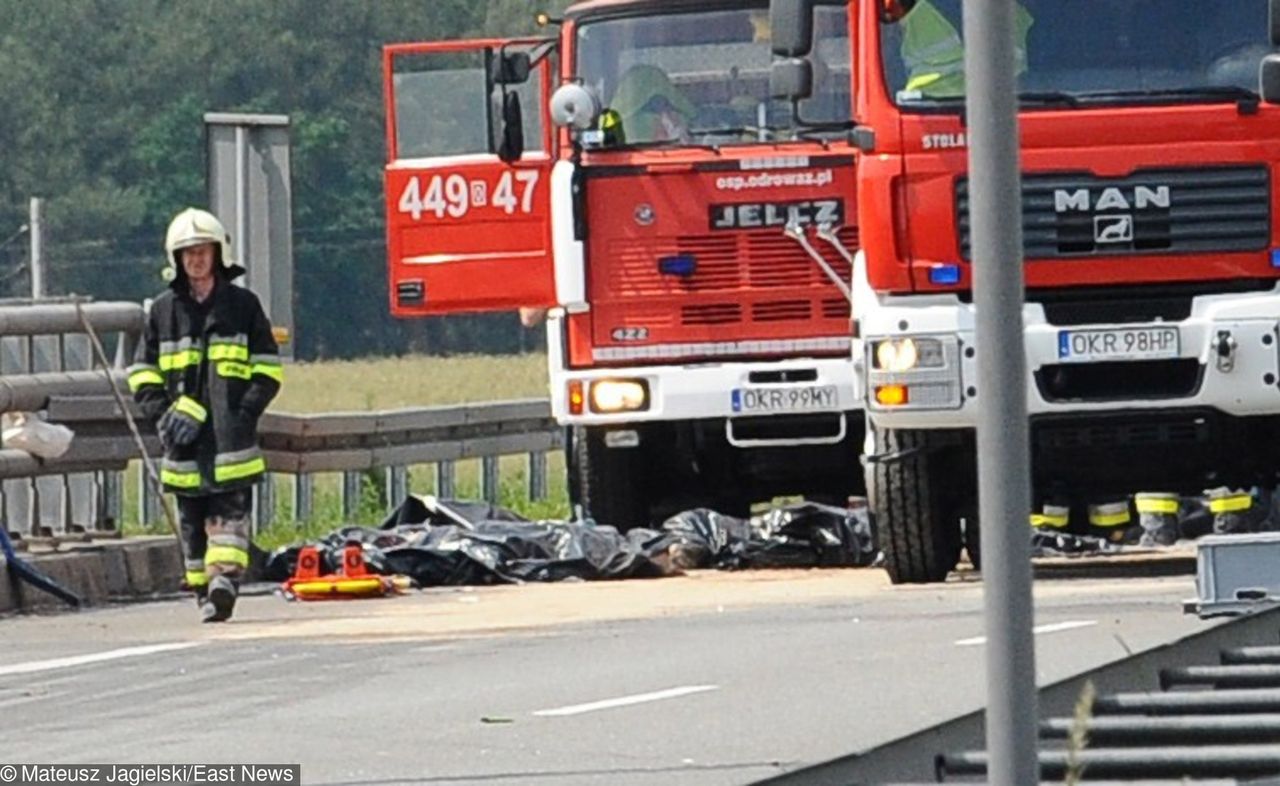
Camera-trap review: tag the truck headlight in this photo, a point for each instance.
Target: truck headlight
(619, 395)
(905, 354)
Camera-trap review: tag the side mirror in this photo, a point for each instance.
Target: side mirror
(1269, 79)
(511, 129)
(791, 79)
(512, 68)
(791, 22)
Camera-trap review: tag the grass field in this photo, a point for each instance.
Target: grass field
(393, 383)
(412, 381)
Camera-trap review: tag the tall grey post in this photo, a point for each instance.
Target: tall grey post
(1004, 483)
(251, 192)
(36, 227)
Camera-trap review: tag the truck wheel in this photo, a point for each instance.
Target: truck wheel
(920, 541)
(609, 483)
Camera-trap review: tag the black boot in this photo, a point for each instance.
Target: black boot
(1232, 511)
(1158, 517)
(1111, 521)
(221, 602)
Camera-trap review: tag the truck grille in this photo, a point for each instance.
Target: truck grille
(1152, 211)
(745, 277)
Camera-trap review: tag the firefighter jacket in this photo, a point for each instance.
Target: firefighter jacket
(933, 51)
(218, 362)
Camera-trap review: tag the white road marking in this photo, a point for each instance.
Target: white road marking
(1055, 627)
(624, 701)
(95, 657)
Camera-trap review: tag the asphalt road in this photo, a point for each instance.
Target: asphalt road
(716, 679)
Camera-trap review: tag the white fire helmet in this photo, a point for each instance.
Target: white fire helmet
(194, 227)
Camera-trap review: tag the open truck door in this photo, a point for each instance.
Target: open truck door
(469, 155)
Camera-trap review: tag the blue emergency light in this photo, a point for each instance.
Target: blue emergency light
(944, 275)
(683, 265)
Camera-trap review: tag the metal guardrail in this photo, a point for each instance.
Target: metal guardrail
(302, 446)
(44, 354)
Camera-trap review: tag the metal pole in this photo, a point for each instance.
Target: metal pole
(264, 503)
(446, 480)
(112, 518)
(242, 196)
(397, 485)
(352, 486)
(302, 497)
(537, 476)
(1004, 482)
(489, 479)
(37, 250)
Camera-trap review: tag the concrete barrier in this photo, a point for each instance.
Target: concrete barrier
(100, 573)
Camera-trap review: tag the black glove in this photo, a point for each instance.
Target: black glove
(180, 425)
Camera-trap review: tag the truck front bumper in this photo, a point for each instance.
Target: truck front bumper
(1227, 361)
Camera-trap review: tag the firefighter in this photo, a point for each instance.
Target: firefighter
(933, 50)
(650, 107)
(205, 371)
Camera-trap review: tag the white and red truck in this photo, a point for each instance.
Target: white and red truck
(690, 237)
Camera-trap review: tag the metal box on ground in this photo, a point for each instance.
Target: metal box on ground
(1237, 574)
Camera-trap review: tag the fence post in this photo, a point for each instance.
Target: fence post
(15, 358)
(264, 503)
(66, 519)
(489, 479)
(303, 497)
(48, 492)
(537, 476)
(350, 496)
(446, 485)
(111, 504)
(148, 503)
(397, 485)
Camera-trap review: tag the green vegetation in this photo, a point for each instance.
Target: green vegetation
(411, 381)
(103, 106)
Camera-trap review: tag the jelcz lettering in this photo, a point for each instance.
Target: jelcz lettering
(756, 215)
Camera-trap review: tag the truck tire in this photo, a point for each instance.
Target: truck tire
(920, 541)
(608, 483)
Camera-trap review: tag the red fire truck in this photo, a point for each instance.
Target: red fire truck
(689, 238)
(1152, 256)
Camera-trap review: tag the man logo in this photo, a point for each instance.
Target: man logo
(644, 214)
(1082, 200)
(1113, 229)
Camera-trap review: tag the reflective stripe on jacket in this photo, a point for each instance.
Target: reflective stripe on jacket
(224, 357)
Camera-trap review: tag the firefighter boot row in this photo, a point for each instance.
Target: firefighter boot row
(1112, 522)
(1158, 518)
(221, 600)
(1232, 511)
(1052, 519)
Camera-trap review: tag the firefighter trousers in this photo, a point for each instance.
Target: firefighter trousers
(215, 528)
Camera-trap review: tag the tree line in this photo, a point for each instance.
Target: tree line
(101, 115)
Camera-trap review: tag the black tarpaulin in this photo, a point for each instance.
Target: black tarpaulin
(439, 543)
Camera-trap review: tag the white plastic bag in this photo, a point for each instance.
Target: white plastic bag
(26, 431)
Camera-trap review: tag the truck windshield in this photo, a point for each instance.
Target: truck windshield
(703, 77)
(1089, 52)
